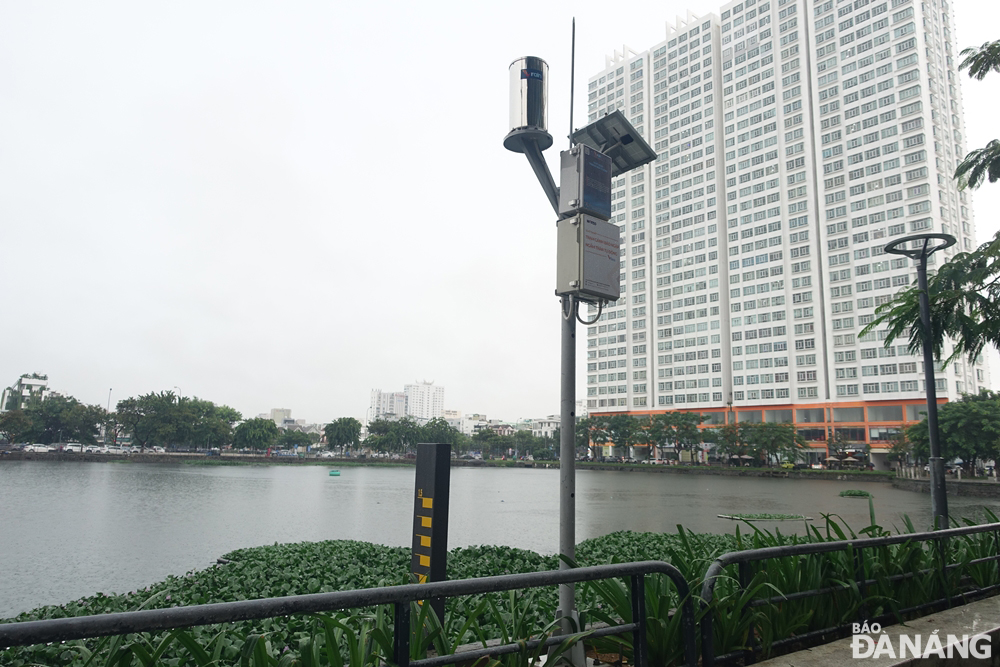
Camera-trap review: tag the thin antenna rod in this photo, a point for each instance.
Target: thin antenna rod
(572, 81)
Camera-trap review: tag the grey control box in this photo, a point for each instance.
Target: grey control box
(585, 182)
(588, 262)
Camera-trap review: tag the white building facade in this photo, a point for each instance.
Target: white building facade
(796, 138)
(28, 388)
(424, 400)
(387, 405)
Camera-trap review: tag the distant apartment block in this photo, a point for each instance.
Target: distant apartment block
(545, 427)
(387, 405)
(424, 400)
(796, 138)
(421, 401)
(29, 387)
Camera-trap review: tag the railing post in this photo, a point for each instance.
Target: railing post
(996, 548)
(640, 650)
(860, 580)
(401, 634)
(746, 576)
(942, 547)
(707, 599)
(687, 629)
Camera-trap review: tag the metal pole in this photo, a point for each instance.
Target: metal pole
(939, 499)
(567, 458)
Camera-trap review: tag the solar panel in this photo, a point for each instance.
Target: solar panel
(614, 136)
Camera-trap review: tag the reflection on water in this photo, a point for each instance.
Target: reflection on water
(72, 529)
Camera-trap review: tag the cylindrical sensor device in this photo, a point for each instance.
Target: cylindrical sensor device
(529, 93)
(529, 103)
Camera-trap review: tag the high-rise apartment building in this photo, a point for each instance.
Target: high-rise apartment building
(421, 401)
(796, 138)
(424, 401)
(390, 405)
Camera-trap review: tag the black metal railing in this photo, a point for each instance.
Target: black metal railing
(857, 547)
(104, 625)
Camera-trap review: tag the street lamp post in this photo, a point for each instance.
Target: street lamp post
(921, 247)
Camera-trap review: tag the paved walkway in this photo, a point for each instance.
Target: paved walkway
(971, 619)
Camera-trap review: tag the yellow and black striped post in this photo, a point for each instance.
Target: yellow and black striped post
(430, 516)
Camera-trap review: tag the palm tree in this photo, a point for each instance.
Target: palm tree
(980, 163)
(980, 60)
(983, 162)
(964, 298)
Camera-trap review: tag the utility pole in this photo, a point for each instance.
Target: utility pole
(588, 255)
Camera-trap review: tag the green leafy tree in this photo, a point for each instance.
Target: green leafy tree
(676, 429)
(379, 435)
(641, 435)
(969, 429)
(899, 447)
(524, 442)
(772, 441)
(688, 433)
(729, 440)
(203, 424)
(663, 432)
(583, 427)
(15, 426)
(439, 430)
(487, 440)
(395, 437)
(63, 419)
(150, 418)
(290, 439)
(587, 429)
(503, 445)
(343, 433)
(621, 430)
(598, 435)
(256, 433)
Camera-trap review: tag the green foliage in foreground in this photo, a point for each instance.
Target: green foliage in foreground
(363, 637)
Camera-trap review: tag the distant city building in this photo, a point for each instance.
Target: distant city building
(453, 417)
(545, 427)
(424, 401)
(471, 423)
(281, 417)
(29, 387)
(421, 402)
(387, 405)
(500, 427)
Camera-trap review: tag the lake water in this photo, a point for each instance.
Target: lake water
(71, 529)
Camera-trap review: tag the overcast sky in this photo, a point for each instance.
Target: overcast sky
(289, 204)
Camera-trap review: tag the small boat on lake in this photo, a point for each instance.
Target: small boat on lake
(334, 473)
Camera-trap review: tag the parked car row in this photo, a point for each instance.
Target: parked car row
(78, 448)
